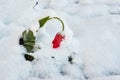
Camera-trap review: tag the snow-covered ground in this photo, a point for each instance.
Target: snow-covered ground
(92, 40)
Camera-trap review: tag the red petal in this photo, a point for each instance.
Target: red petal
(57, 40)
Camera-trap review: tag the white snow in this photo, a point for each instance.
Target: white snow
(92, 40)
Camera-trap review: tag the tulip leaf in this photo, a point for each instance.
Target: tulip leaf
(28, 40)
(43, 21)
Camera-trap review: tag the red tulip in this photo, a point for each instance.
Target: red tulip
(59, 36)
(57, 40)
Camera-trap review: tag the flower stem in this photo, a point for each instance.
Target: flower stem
(60, 21)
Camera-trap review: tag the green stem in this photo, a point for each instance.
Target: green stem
(60, 21)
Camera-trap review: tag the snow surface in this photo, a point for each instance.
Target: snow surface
(92, 40)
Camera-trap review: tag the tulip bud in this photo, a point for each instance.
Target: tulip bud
(58, 39)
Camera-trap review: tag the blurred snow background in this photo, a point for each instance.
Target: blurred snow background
(94, 45)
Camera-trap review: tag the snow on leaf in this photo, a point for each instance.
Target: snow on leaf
(28, 40)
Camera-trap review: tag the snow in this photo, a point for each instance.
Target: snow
(92, 40)
(108, 78)
(12, 64)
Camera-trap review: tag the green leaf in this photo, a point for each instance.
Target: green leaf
(29, 48)
(24, 32)
(28, 36)
(30, 43)
(43, 21)
(28, 40)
